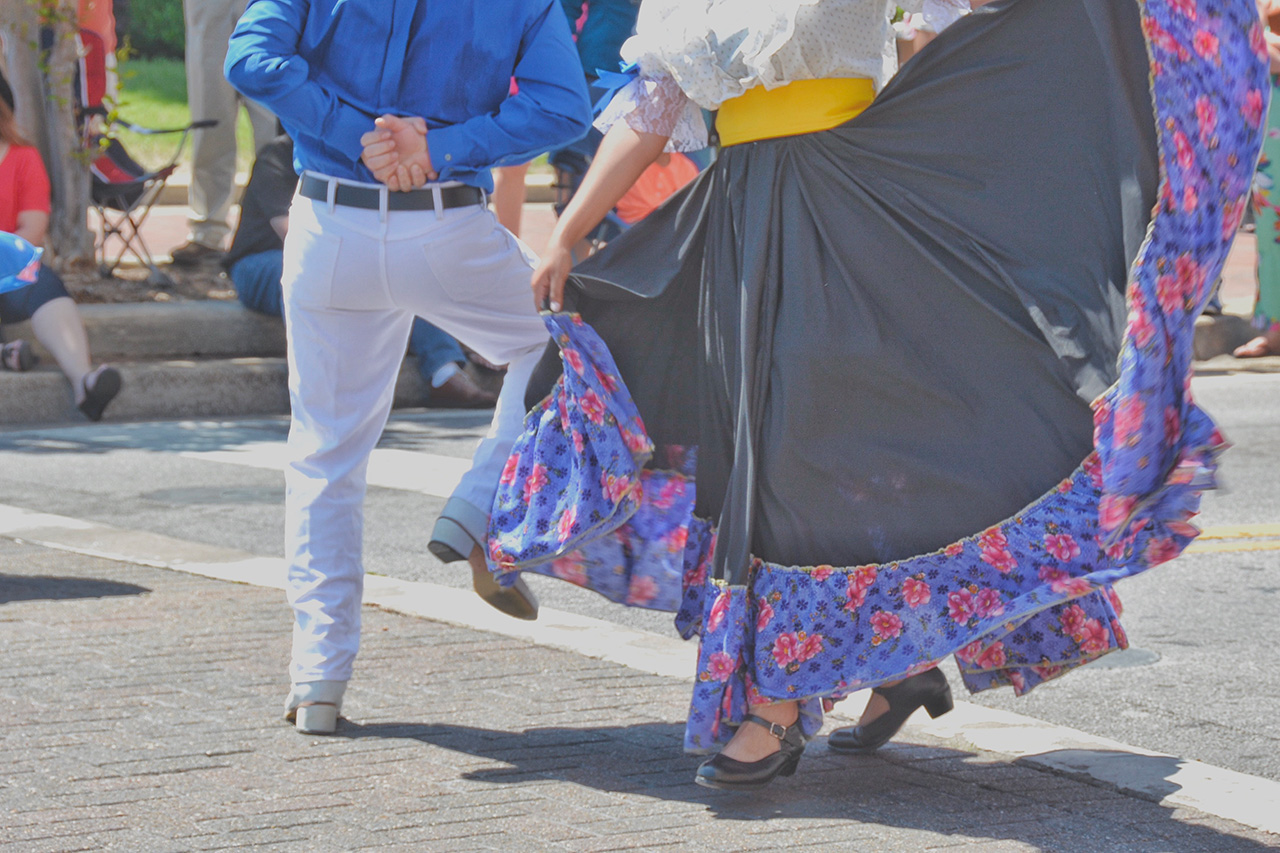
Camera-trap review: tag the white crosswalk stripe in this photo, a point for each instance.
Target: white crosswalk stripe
(389, 468)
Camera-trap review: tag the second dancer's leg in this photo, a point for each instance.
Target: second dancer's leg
(475, 286)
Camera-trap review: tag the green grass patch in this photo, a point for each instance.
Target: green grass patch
(153, 93)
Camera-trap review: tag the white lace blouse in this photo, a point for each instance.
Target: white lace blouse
(695, 54)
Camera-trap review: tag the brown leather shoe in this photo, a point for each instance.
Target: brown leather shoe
(192, 254)
(516, 600)
(461, 392)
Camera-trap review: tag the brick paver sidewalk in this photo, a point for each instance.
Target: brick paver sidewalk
(141, 708)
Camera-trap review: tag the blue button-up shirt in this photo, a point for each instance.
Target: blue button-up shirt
(328, 68)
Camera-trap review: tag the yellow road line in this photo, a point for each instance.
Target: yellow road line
(1237, 537)
(1240, 531)
(1212, 547)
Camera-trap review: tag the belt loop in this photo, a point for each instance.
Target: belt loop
(437, 198)
(484, 197)
(331, 197)
(384, 198)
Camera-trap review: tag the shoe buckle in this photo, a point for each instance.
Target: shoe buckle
(776, 729)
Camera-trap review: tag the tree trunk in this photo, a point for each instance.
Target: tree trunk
(69, 236)
(19, 30)
(45, 99)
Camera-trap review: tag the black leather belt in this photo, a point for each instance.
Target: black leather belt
(369, 197)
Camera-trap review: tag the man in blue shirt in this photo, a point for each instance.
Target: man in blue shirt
(362, 260)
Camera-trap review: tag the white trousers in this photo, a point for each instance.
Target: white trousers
(353, 281)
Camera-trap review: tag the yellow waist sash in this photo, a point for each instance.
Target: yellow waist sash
(804, 106)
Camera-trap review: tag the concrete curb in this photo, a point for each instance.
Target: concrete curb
(134, 331)
(227, 387)
(210, 358)
(1165, 779)
(226, 329)
(183, 359)
(1220, 334)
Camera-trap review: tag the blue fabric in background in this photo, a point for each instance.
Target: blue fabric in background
(609, 23)
(19, 261)
(433, 348)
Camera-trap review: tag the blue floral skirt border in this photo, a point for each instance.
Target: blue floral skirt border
(1017, 604)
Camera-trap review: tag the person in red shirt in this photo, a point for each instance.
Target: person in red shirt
(24, 210)
(658, 182)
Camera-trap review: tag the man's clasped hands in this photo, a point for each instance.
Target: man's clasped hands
(396, 152)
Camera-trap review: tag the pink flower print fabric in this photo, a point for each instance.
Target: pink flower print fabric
(1157, 447)
(576, 500)
(576, 476)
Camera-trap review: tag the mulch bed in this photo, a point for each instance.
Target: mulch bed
(129, 284)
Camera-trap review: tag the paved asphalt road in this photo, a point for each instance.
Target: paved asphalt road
(1199, 682)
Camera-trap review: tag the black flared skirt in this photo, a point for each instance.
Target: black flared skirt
(886, 336)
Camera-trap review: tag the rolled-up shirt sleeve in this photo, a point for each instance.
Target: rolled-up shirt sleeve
(263, 64)
(550, 110)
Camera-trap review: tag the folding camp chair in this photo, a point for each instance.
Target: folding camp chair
(123, 190)
(123, 193)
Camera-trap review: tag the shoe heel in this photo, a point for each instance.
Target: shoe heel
(317, 719)
(790, 767)
(939, 705)
(449, 541)
(516, 600)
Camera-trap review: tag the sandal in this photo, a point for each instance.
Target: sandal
(102, 390)
(18, 356)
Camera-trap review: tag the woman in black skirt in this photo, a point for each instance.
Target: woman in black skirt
(903, 374)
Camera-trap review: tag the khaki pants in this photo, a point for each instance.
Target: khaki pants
(210, 96)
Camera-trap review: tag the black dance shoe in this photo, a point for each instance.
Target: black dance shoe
(928, 689)
(734, 775)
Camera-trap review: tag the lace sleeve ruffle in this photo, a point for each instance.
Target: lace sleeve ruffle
(657, 105)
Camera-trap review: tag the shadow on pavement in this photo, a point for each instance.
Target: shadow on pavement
(1147, 776)
(407, 431)
(217, 495)
(925, 788)
(189, 436)
(48, 588)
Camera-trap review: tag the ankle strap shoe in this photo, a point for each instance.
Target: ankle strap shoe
(734, 775)
(928, 689)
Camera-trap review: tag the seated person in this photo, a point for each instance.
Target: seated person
(24, 211)
(256, 260)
